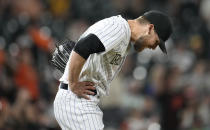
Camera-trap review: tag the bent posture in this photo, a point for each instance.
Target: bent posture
(96, 59)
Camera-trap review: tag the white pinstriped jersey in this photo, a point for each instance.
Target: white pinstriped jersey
(101, 68)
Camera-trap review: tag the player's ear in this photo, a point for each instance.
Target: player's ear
(151, 29)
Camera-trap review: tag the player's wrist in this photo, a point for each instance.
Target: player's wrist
(72, 85)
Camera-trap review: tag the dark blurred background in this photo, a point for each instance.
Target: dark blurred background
(152, 92)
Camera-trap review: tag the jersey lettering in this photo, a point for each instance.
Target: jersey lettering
(116, 59)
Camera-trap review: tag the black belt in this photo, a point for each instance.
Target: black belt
(65, 86)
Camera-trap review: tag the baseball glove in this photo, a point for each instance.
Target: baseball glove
(61, 54)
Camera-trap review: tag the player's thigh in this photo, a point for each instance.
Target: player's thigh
(93, 120)
(77, 114)
(86, 114)
(57, 112)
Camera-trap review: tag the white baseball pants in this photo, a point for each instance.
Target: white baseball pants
(73, 113)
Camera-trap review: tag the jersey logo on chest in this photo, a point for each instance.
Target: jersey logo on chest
(116, 59)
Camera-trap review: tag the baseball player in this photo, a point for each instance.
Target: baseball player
(96, 59)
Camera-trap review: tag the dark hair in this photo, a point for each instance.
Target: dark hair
(142, 20)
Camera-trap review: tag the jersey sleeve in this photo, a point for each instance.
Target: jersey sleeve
(110, 34)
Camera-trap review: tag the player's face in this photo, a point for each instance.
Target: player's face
(151, 40)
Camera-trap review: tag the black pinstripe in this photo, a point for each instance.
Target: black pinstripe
(62, 110)
(66, 110)
(82, 114)
(117, 38)
(71, 112)
(75, 112)
(83, 121)
(104, 29)
(56, 109)
(108, 31)
(59, 112)
(92, 119)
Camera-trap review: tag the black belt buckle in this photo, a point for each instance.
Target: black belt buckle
(65, 86)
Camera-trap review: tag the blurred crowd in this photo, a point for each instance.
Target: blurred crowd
(152, 92)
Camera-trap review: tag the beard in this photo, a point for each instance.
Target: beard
(140, 44)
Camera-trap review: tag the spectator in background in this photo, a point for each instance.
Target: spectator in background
(25, 75)
(170, 101)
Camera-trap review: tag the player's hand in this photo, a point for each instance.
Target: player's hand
(82, 89)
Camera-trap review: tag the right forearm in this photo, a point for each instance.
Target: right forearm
(81, 89)
(75, 67)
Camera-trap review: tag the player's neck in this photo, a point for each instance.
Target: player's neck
(132, 25)
(136, 29)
